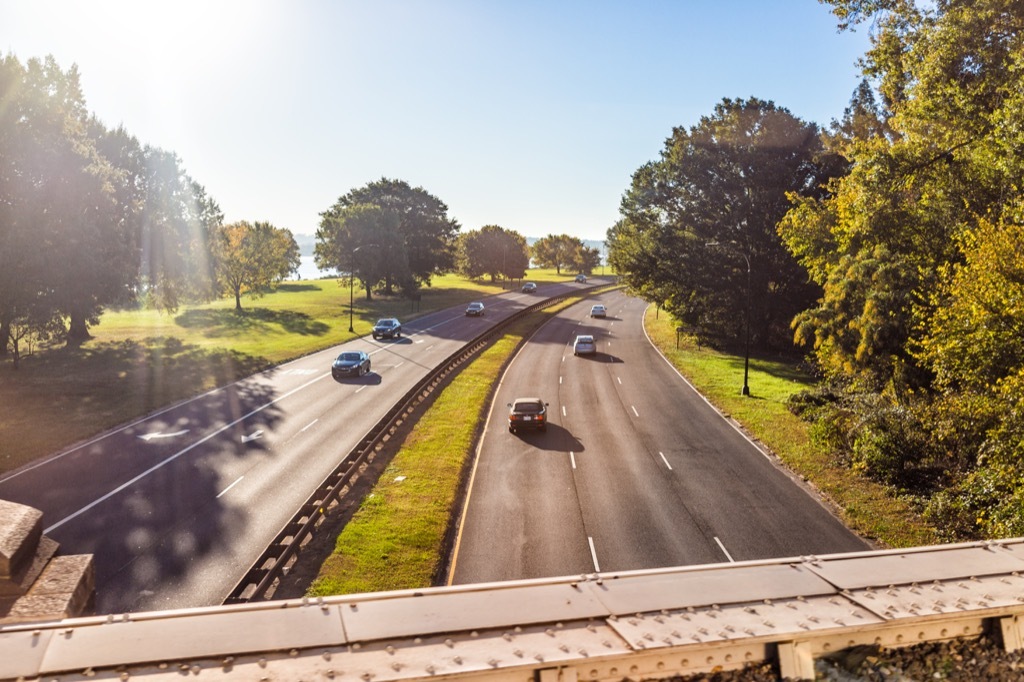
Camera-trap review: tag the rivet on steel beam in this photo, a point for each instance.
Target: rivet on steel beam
(163, 666)
(518, 653)
(659, 619)
(607, 644)
(390, 649)
(768, 623)
(633, 621)
(675, 633)
(493, 662)
(518, 628)
(804, 626)
(827, 646)
(353, 606)
(649, 637)
(449, 643)
(89, 672)
(458, 660)
(262, 663)
(564, 649)
(330, 674)
(195, 670)
(591, 628)
(124, 676)
(431, 669)
(709, 660)
(549, 632)
(367, 677)
(791, 605)
(768, 602)
(702, 631)
(748, 631)
(538, 658)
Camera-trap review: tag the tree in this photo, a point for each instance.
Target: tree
(364, 241)
(698, 226)
(556, 251)
(493, 251)
(252, 258)
(427, 234)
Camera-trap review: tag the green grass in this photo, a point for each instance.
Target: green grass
(141, 360)
(868, 508)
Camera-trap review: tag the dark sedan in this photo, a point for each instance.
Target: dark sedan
(352, 363)
(527, 413)
(475, 309)
(387, 328)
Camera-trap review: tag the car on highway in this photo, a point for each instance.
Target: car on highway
(351, 363)
(581, 278)
(475, 309)
(527, 413)
(387, 328)
(598, 311)
(584, 345)
(529, 287)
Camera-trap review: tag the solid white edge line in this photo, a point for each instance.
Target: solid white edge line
(725, 551)
(593, 554)
(563, 411)
(230, 486)
(309, 425)
(634, 410)
(665, 461)
(572, 458)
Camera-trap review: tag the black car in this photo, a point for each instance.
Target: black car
(529, 287)
(475, 309)
(351, 363)
(387, 328)
(527, 413)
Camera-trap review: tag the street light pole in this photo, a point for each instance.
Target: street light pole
(352, 283)
(746, 350)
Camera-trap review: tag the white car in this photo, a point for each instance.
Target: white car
(598, 311)
(584, 345)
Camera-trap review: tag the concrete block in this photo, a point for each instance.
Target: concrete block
(20, 530)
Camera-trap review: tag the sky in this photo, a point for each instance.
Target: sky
(528, 114)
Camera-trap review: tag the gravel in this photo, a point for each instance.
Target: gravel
(959, 660)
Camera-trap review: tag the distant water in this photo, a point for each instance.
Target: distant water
(308, 270)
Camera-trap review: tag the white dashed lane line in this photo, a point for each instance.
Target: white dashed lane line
(663, 459)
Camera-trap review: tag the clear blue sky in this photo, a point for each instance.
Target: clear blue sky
(529, 114)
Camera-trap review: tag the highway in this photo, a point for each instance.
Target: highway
(636, 470)
(176, 506)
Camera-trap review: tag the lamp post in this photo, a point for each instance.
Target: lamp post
(746, 318)
(351, 285)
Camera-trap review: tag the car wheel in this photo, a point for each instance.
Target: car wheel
(368, 367)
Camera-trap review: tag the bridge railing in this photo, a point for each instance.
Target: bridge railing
(650, 624)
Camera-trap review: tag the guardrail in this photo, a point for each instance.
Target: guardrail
(651, 624)
(262, 578)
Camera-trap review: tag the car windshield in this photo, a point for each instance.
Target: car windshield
(527, 407)
(349, 357)
(584, 339)
(385, 323)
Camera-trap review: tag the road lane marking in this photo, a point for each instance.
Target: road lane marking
(572, 458)
(619, 379)
(158, 435)
(634, 410)
(559, 380)
(665, 461)
(179, 453)
(252, 436)
(230, 486)
(563, 410)
(725, 551)
(360, 388)
(309, 425)
(593, 554)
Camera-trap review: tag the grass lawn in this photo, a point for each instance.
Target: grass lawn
(141, 360)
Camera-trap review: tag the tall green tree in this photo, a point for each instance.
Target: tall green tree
(493, 251)
(427, 233)
(698, 227)
(365, 242)
(556, 251)
(252, 258)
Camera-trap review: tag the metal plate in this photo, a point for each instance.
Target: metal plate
(22, 651)
(219, 633)
(462, 611)
(768, 618)
(723, 584)
(943, 597)
(918, 567)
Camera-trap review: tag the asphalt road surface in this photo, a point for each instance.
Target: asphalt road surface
(635, 471)
(176, 506)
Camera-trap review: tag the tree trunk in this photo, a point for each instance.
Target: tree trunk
(369, 296)
(238, 301)
(5, 337)
(78, 330)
